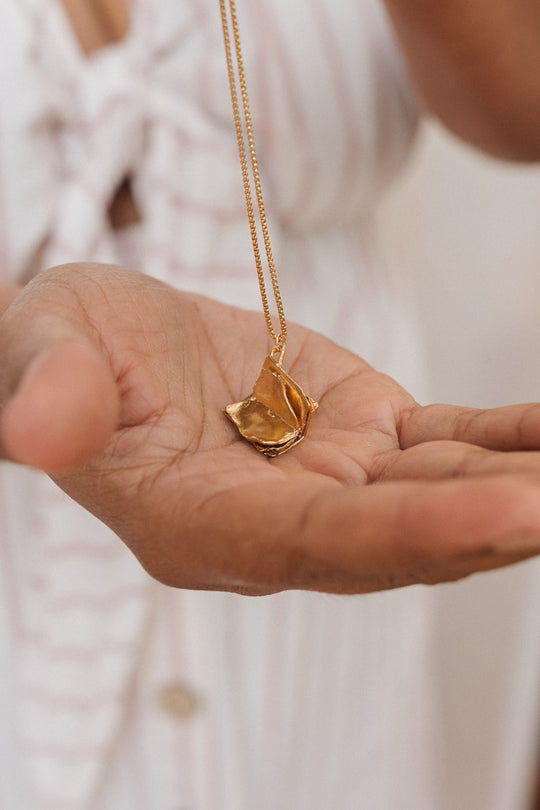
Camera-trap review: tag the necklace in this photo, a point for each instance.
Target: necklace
(275, 416)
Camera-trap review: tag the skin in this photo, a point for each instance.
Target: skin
(476, 64)
(98, 22)
(115, 385)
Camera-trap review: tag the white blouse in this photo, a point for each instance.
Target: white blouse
(120, 694)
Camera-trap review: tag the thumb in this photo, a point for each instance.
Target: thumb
(63, 410)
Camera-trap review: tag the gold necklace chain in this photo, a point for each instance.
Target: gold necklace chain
(230, 22)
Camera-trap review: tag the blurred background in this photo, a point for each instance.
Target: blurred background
(462, 236)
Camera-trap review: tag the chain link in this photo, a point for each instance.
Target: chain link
(230, 22)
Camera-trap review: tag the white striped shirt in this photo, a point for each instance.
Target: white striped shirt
(129, 695)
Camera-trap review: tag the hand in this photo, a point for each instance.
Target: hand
(115, 383)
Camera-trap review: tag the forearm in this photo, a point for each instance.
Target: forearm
(477, 66)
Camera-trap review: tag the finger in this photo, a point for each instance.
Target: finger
(63, 410)
(514, 427)
(8, 293)
(322, 537)
(448, 459)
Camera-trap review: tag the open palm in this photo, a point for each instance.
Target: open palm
(115, 384)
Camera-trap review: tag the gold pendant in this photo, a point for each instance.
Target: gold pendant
(275, 416)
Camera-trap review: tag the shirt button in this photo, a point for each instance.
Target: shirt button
(178, 700)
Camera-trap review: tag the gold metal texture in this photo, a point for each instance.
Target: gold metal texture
(275, 416)
(228, 25)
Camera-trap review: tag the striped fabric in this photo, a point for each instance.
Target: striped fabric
(294, 701)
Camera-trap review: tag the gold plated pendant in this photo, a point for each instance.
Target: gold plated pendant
(276, 415)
